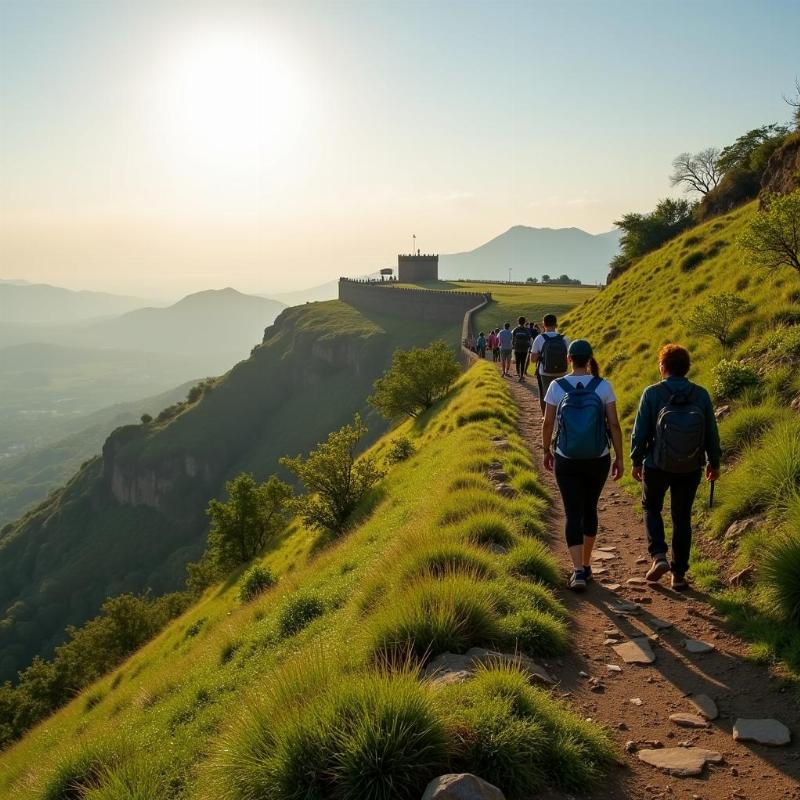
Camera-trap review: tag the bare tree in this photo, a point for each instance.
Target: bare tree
(794, 102)
(697, 172)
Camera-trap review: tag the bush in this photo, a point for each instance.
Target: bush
(744, 427)
(298, 611)
(146, 419)
(335, 481)
(731, 378)
(772, 239)
(444, 560)
(779, 573)
(415, 381)
(534, 632)
(369, 737)
(533, 559)
(433, 617)
(400, 449)
(256, 580)
(487, 528)
(692, 261)
(715, 316)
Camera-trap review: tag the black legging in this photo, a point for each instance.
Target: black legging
(580, 481)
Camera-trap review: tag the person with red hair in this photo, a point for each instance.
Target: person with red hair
(674, 436)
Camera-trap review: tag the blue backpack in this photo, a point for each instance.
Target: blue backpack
(582, 431)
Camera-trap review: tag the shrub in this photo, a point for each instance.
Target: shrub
(779, 573)
(146, 419)
(715, 316)
(298, 611)
(534, 632)
(369, 737)
(487, 528)
(335, 481)
(77, 772)
(444, 560)
(432, 617)
(692, 261)
(731, 378)
(533, 559)
(468, 502)
(416, 380)
(256, 580)
(744, 427)
(773, 237)
(251, 516)
(400, 449)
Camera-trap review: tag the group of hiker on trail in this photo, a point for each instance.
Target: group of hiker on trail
(674, 440)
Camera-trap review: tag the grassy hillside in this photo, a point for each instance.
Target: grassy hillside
(510, 301)
(648, 306)
(312, 690)
(89, 540)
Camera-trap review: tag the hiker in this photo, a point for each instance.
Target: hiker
(521, 338)
(582, 408)
(534, 329)
(674, 433)
(549, 353)
(490, 343)
(496, 346)
(506, 342)
(481, 345)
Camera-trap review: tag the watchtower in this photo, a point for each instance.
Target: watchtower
(417, 268)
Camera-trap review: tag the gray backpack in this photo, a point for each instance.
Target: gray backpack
(680, 431)
(554, 355)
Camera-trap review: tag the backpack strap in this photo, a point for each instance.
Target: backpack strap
(593, 383)
(566, 385)
(664, 390)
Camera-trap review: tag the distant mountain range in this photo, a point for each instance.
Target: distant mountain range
(40, 303)
(533, 252)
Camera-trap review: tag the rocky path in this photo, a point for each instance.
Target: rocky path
(692, 690)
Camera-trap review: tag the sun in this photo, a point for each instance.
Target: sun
(229, 100)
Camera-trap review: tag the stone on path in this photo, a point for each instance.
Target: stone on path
(636, 651)
(603, 555)
(635, 701)
(688, 720)
(682, 762)
(641, 560)
(762, 731)
(696, 646)
(613, 668)
(659, 624)
(705, 706)
(612, 587)
(636, 582)
(611, 640)
(461, 786)
(623, 607)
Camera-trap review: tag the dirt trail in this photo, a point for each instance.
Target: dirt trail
(739, 687)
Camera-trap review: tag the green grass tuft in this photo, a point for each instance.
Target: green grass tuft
(487, 528)
(299, 611)
(533, 559)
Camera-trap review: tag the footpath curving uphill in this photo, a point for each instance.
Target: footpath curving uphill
(663, 672)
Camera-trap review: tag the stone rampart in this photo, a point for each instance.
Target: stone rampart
(412, 304)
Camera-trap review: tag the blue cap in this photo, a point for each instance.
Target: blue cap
(581, 348)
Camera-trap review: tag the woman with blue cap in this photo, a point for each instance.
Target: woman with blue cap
(581, 408)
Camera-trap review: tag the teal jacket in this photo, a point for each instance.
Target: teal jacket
(644, 428)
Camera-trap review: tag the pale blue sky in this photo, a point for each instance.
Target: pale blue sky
(333, 130)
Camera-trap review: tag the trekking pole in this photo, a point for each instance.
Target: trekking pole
(711, 495)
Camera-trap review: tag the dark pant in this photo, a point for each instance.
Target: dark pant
(580, 481)
(520, 357)
(682, 489)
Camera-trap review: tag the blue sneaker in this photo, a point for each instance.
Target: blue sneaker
(577, 581)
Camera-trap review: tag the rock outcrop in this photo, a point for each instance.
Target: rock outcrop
(782, 175)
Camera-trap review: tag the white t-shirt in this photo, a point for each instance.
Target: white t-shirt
(506, 338)
(603, 389)
(538, 344)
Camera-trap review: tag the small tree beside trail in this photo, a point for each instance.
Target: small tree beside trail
(243, 524)
(335, 481)
(716, 315)
(773, 237)
(415, 381)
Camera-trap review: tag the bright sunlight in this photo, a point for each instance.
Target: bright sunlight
(229, 101)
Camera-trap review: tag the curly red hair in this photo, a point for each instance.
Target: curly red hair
(675, 358)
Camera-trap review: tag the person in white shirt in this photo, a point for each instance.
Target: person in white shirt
(549, 353)
(506, 348)
(585, 407)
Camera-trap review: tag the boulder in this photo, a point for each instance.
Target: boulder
(504, 490)
(682, 762)
(450, 668)
(742, 526)
(461, 786)
(762, 731)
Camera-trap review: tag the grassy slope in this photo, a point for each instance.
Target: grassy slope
(313, 373)
(510, 302)
(180, 717)
(645, 308)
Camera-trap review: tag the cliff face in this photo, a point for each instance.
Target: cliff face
(782, 175)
